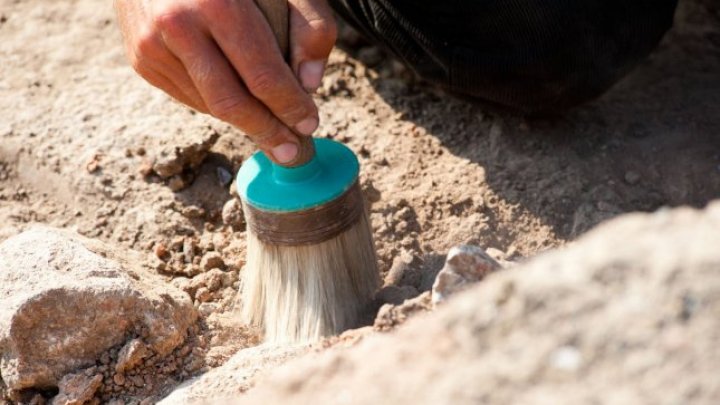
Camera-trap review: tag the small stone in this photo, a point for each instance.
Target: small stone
(167, 167)
(160, 251)
(224, 176)
(212, 260)
(145, 168)
(176, 183)
(203, 295)
(131, 355)
(93, 164)
(212, 280)
(228, 278)
(405, 270)
(105, 358)
(195, 364)
(632, 177)
(77, 389)
(464, 265)
(207, 308)
(137, 381)
(188, 249)
(119, 379)
(140, 151)
(232, 214)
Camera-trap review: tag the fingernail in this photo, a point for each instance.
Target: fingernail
(311, 73)
(285, 152)
(307, 126)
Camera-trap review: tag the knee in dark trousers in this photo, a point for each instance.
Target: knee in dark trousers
(530, 55)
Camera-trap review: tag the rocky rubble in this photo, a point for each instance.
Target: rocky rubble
(67, 300)
(627, 315)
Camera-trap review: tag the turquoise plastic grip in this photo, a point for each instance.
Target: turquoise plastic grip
(270, 187)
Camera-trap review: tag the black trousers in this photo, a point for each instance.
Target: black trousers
(530, 55)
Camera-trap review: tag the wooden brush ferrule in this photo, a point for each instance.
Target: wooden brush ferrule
(310, 226)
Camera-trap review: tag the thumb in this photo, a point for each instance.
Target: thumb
(312, 37)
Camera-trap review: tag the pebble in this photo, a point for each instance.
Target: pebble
(176, 183)
(212, 260)
(203, 295)
(160, 251)
(224, 176)
(119, 379)
(464, 265)
(145, 168)
(232, 214)
(131, 355)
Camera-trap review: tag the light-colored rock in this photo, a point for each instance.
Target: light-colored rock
(232, 214)
(131, 355)
(77, 389)
(626, 315)
(237, 375)
(212, 260)
(464, 266)
(67, 299)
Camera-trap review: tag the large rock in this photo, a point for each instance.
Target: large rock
(66, 299)
(630, 314)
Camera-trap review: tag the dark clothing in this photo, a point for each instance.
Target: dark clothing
(531, 55)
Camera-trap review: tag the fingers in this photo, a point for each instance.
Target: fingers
(312, 36)
(163, 70)
(243, 34)
(167, 85)
(222, 90)
(150, 57)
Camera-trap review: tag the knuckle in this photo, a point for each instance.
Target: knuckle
(229, 109)
(264, 81)
(148, 44)
(267, 129)
(293, 113)
(171, 20)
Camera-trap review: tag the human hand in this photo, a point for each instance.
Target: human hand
(220, 57)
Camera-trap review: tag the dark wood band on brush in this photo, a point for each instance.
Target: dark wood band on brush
(306, 227)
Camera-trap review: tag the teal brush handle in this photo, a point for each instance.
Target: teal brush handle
(271, 187)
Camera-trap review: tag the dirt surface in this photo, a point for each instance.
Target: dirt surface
(81, 137)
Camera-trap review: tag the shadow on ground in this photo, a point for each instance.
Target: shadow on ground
(653, 140)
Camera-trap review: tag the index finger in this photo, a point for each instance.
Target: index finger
(242, 32)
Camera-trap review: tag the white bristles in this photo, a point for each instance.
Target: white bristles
(302, 293)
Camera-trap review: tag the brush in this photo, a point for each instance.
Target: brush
(311, 267)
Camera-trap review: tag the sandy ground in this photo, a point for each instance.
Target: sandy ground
(77, 126)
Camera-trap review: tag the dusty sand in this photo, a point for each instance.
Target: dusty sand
(77, 126)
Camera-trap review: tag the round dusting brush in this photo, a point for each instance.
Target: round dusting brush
(311, 267)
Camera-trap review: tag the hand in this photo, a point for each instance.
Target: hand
(220, 57)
